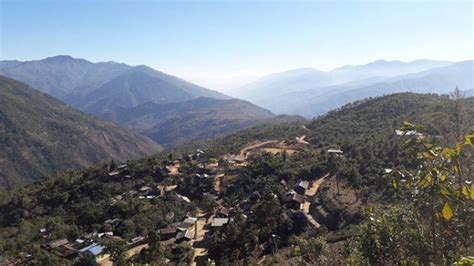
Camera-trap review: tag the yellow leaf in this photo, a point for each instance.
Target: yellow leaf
(457, 169)
(442, 178)
(472, 191)
(447, 212)
(428, 155)
(469, 139)
(394, 183)
(465, 191)
(449, 152)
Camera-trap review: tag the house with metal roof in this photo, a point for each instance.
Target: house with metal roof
(96, 250)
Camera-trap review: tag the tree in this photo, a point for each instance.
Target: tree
(116, 249)
(156, 251)
(86, 259)
(113, 165)
(437, 188)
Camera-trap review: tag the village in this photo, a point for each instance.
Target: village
(193, 228)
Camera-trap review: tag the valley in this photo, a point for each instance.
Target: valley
(236, 133)
(283, 184)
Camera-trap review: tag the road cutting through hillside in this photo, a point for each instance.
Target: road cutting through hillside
(244, 151)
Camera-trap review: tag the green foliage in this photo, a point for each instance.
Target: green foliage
(435, 223)
(116, 249)
(73, 203)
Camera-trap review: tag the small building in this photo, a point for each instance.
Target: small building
(335, 151)
(301, 187)
(294, 201)
(66, 251)
(184, 236)
(223, 212)
(324, 217)
(408, 133)
(183, 198)
(145, 189)
(54, 244)
(136, 241)
(190, 220)
(114, 222)
(114, 173)
(123, 167)
(167, 233)
(96, 250)
(219, 222)
(239, 159)
(184, 226)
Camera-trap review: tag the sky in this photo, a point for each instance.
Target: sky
(226, 43)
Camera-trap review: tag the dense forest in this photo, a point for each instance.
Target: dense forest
(394, 176)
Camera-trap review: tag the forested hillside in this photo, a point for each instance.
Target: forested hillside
(276, 194)
(39, 134)
(198, 119)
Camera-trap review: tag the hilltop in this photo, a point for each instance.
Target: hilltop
(40, 134)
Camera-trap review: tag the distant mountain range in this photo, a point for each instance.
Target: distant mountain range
(40, 134)
(120, 93)
(310, 92)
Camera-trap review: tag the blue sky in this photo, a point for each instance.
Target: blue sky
(234, 39)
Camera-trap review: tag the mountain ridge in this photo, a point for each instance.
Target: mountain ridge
(41, 134)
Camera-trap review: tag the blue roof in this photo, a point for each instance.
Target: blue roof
(94, 249)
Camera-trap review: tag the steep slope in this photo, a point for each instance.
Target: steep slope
(140, 85)
(198, 119)
(39, 134)
(107, 90)
(64, 76)
(271, 91)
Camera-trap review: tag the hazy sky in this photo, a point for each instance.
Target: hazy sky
(224, 40)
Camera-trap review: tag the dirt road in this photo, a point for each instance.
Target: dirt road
(310, 193)
(199, 234)
(315, 186)
(217, 182)
(174, 169)
(301, 140)
(244, 151)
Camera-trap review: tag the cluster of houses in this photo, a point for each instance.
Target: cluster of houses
(296, 197)
(185, 230)
(92, 245)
